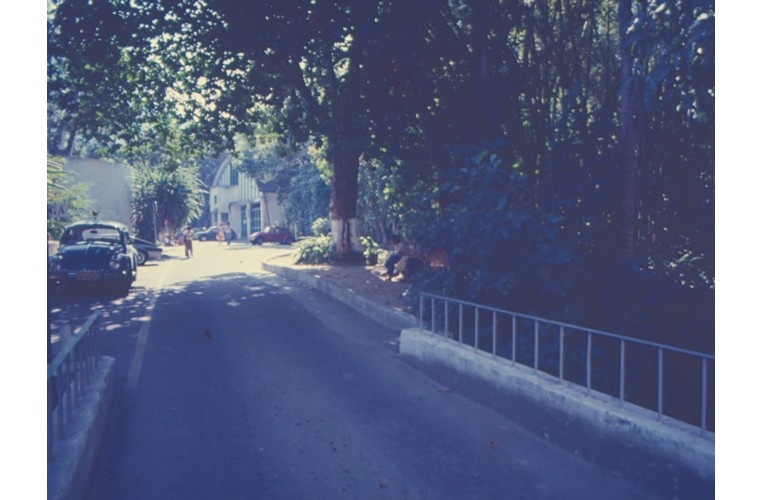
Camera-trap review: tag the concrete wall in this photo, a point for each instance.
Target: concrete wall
(272, 213)
(631, 425)
(109, 187)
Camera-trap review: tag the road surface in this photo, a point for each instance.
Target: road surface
(234, 384)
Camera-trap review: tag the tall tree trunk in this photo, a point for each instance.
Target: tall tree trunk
(627, 134)
(344, 187)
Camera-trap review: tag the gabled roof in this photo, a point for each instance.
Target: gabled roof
(226, 162)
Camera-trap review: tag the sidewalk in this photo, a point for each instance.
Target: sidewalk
(360, 287)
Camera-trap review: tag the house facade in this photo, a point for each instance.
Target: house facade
(247, 204)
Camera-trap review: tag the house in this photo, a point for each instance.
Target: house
(247, 204)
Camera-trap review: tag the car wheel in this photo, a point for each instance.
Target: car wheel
(141, 258)
(287, 240)
(202, 238)
(259, 241)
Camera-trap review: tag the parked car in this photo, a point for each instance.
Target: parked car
(146, 250)
(94, 253)
(210, 234)
(272, 235)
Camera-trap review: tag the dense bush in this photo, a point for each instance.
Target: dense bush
(504, 248)
(372, 251)
(316, 250)
(321, 226)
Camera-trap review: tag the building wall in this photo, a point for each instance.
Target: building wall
(109, 187)
(236, 198)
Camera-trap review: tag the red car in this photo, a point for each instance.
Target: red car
(272, 235)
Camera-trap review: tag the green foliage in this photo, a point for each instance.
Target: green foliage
(63, 189)
(55, 172)
(372, 251)
(503, 246)
(414, 92)
(321, 227)
(178, 196)
(316, 250)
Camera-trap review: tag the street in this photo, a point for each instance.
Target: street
(233, 383)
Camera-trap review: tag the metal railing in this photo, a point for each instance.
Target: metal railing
(667, 380)
(69, 374)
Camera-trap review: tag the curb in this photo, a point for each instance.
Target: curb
(387, 317)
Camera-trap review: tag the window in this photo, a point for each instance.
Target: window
(242, 229)
(256, 218)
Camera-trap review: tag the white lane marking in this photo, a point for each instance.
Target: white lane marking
(140, 347)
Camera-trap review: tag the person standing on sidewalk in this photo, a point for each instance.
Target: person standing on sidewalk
(188, 241)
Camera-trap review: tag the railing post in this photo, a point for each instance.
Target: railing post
(51, 406)
(660, 384)
(79, 382)
(420, 311)
(433, 324)
(513, 339)
(494, 333)
(703, 396)
(536, 346)
(447, 319)
(621, 372)
(59, 382)
(476, 328)
(589, 362)
(69, 396)
(561, 354)
(460, 323)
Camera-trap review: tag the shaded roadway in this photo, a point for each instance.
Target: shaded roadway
(248, 387)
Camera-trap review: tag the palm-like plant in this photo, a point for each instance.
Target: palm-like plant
(165, 197)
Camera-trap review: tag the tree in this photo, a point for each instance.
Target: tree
(64, 190)
(171, 197)
(314, 63)
(600, 113)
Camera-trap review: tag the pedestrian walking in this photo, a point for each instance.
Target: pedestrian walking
(188, 241)
(228, 232)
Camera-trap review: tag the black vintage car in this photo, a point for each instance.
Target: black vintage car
(146, 250)
(96, 254)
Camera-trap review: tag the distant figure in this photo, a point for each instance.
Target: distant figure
(228, 232)
(188, 241)
(220, 233)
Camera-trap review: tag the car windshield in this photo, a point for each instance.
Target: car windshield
(90, 234)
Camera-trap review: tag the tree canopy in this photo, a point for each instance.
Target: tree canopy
(573, 137)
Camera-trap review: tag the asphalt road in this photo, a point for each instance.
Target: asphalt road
(232, 383)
